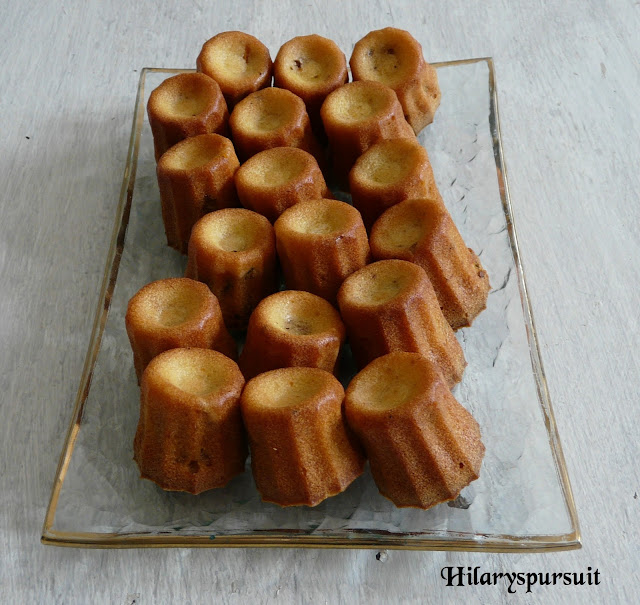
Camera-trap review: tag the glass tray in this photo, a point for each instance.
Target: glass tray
(522, 500)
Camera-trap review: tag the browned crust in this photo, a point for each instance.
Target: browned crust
(372, 198)
(169, 129)
(295, 55)
(418, 92)
(187, 442)
(204, 329)
(410, 321)
(187, 194)
(423, 451)
(295, 132)
(319, 263)
(458, 277)
(349, 140)
(240, 279)
(303, 454)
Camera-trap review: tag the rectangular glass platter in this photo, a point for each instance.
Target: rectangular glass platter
(522, 500)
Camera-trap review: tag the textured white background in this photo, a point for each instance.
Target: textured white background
(569, 82)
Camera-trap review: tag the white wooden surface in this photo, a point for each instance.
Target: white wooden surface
(569, 83)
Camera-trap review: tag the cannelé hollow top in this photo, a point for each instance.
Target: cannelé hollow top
(320, 218)
(197, 154)
(275, 179)
(387, 173)
(358, 103)
(183, 106)
(311, 67)
(390, 163)
(234, 233)
(379, 283)
(287, 388)
(171, 306)
(393, 381)
(203, 377)
(300, 316)
(292, 328)
(239, 62)
(394, 57)
(272, 117)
